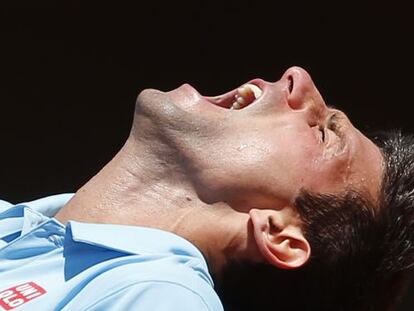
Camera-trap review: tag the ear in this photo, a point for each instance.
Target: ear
(279, 237)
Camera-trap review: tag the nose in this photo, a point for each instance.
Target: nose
(303, 94)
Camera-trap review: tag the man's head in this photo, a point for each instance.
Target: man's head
(258, 158)
(262, 155)
(309, 183)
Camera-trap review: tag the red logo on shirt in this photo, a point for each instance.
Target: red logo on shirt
(16, 296)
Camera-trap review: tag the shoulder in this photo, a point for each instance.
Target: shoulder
(155, 295)
(129, 287)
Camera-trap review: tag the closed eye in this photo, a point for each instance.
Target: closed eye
(322, 133)
(333, 125)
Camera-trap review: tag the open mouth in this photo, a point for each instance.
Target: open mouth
(238, 99)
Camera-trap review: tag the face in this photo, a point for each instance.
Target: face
(280, 139)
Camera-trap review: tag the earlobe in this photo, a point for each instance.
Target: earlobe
(279, 238)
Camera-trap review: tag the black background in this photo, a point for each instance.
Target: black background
(70, 71)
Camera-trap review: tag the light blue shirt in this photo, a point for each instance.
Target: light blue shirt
(45, 265)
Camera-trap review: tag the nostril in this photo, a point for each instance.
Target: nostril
(290, 83)
(303, 94)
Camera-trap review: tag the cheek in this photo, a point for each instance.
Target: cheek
(295, 161)
(254, 161)
(278, 163)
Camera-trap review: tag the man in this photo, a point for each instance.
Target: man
(265, 189)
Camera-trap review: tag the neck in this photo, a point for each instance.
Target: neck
(139, 187)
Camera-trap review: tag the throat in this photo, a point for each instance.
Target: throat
(133, 189)
(144, 194)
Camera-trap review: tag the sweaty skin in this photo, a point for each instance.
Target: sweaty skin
(218, 176)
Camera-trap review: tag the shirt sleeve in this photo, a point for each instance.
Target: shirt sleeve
(155, 296)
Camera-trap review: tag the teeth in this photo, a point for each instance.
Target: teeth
(256, 90)
(235, 105)
(244, 90)
(246, 94)
(241, 101)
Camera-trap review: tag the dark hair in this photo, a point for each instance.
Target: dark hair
(362, 251)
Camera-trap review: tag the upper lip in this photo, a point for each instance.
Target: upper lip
(226, 100)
